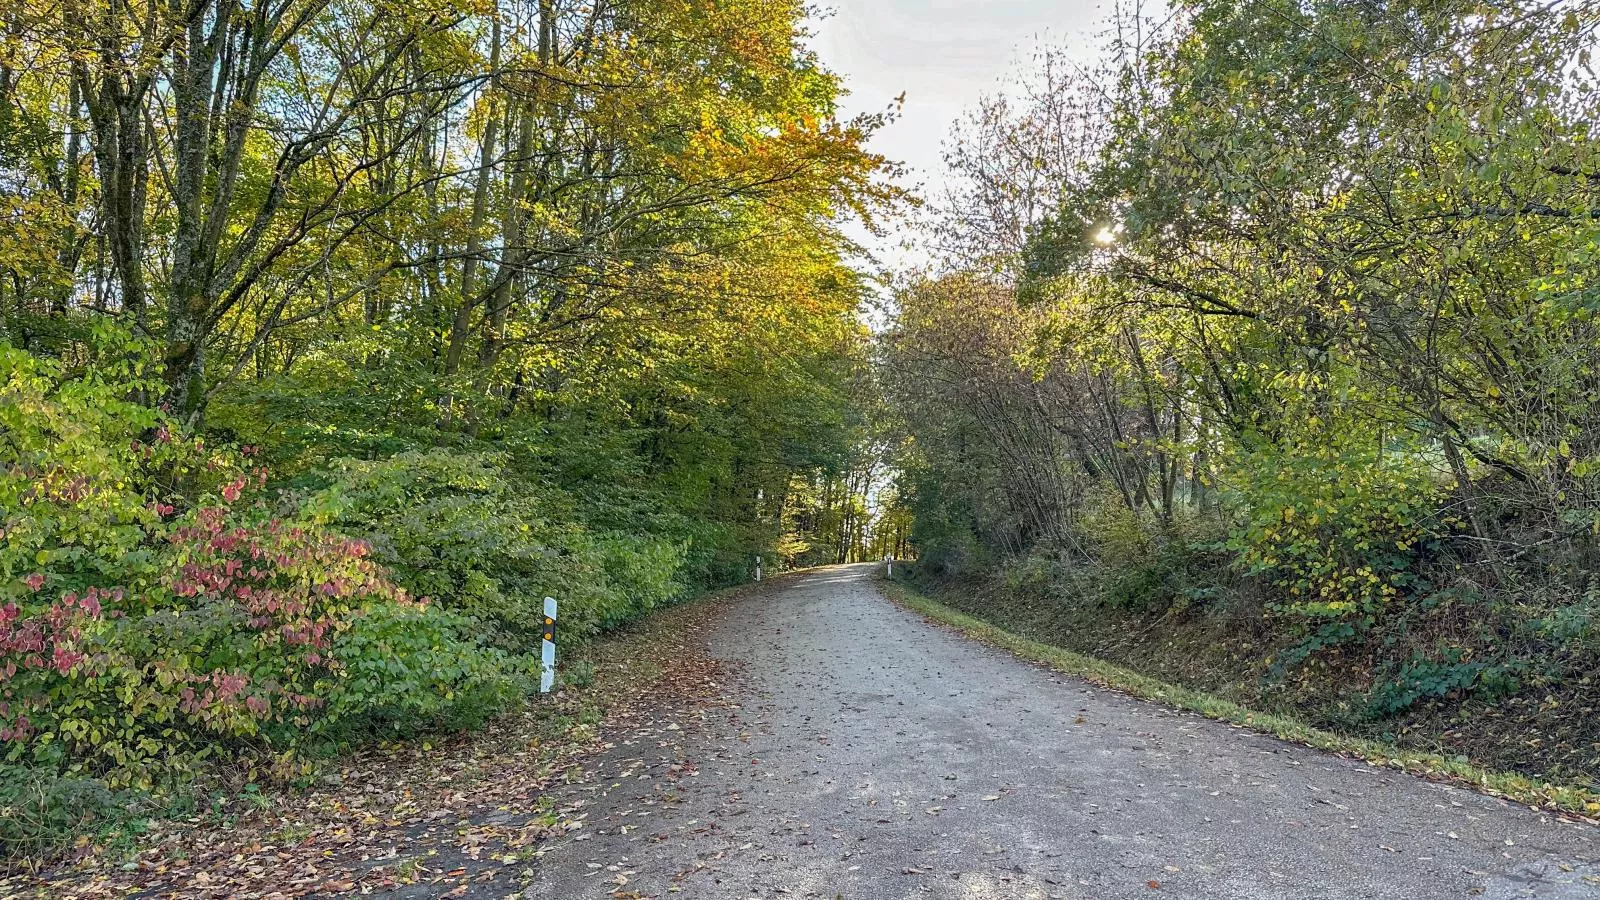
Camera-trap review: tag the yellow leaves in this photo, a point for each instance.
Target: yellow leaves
(709, 129)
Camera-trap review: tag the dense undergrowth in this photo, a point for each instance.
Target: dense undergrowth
(170, 617)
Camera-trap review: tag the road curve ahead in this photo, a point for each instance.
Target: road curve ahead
(869, 755)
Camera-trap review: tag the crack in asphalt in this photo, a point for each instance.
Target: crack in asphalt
(866, 754)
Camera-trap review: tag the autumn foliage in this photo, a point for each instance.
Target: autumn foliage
(336, 336)
(158, 611)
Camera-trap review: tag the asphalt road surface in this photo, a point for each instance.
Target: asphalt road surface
(864, 753)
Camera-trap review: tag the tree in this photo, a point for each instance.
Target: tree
(1319, 264)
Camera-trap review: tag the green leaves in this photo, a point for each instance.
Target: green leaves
(155, 612)
(1342, 332)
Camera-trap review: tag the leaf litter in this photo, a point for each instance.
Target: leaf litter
(448, 814)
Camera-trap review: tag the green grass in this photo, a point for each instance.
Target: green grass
(1508, 785)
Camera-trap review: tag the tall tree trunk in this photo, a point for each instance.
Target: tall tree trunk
(468, 288)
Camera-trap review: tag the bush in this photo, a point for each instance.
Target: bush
(78, 486)
(1452, 675)
(41, 812)
(155, 613)
(1335, 527)
(413, 669)
(1145, 564)
(643, 572)
(470, 533)
(235, 643)
(1036, 577)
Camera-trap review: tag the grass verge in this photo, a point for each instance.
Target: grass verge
(1572, 800)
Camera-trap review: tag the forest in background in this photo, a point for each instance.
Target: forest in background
(1262, 356)
(336, 334)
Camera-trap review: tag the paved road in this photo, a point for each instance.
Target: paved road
(868, 754)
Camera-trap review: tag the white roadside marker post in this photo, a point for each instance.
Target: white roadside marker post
(889, 568)
(547, 658)
(758, 567)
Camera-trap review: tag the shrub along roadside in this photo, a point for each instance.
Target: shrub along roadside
(1511, 786)
(236, 842)
(160, 615)
(466, 530)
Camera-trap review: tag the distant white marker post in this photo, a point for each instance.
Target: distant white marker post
(758, 567)
(547, 659)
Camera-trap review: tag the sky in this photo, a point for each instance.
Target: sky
(944, 54)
